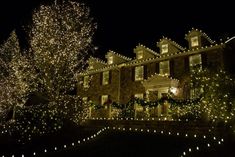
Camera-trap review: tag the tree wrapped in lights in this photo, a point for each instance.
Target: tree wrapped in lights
(60, 38)
(17, 75)
(216, 89)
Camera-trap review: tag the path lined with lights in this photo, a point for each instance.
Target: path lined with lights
(209, 140)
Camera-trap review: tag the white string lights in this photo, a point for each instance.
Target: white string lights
(208, 139)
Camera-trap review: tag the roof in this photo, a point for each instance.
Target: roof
(202, 33)
(120, 56)
(148, 49)
(156, 58)
(172, 42)
(97, 60)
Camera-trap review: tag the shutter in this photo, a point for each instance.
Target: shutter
(204, 60)
(172, 68)
(157, 68)
(186, 64)
(145, 72)
(100, 99)
(101, 78)
(110, 76)
(133, 73)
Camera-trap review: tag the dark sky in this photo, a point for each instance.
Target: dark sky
(122, 24)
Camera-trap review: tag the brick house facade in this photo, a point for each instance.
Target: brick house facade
(150, 74)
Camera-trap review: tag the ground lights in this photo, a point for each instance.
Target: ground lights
(65, 146)
(190, 149)
(213, 140)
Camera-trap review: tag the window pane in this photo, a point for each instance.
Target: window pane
(164, 68)
(195, 60)
(91, 67)
(86, 81)
(110, 60)
(105, 79)
(140, 54)
(139, 95)
(165, 48)
(104, 99)
(84, 99)
(194, 41)
(139, 73)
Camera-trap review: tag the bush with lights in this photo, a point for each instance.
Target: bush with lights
(217, 89)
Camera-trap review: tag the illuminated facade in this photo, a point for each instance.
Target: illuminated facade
(151, 74)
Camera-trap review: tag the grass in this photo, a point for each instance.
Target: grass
(115, 143)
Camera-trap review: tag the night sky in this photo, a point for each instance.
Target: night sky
(122, 24)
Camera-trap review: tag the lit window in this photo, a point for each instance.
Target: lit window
(86, 81)
(138, 107)
(140, 54)
(104, 99)
(194, 41)
(110, 60)
(91, 66)
(84, 99)
(105, 78)
(164, 68)
(195, 93)
(164, 48)
(194, 61)
(139, 95)
(139, 73)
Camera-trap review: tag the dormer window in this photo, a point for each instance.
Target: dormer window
(194, 41)
(91, 67)
(164, 48)
(110, 60)
(140, 54)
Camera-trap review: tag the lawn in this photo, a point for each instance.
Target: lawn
(116, 143)
(140, 144)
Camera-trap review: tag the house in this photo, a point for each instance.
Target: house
(151, 74)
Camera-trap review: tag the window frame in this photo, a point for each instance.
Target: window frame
(102, 99)
(110, 59)
(86, 81)
(140, 54)
(104, 81)
(192, 59)
(85, 99)
(165, 47)
(194, 41)
(136, 76)
(161, 69)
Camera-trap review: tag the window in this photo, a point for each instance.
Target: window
(85, 99)
(138, 107)
(164, 68)
(194, 41)
(110, 60)
(91, 67)
(164, 48)
(105, 78)
(139, 95)
(140, 54)
(195, 60)
(86, 81)
(195, 93)
(139, 73)
(104, 99)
